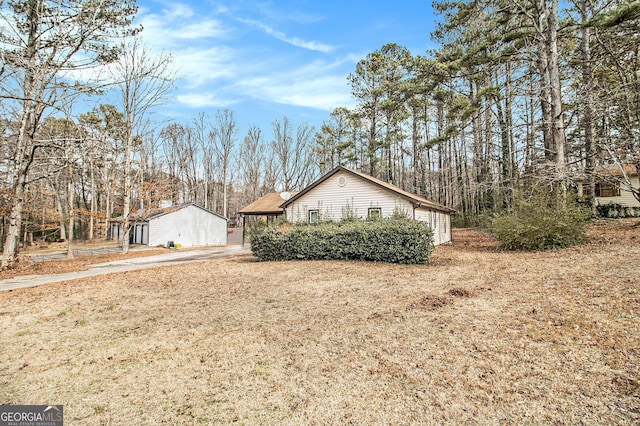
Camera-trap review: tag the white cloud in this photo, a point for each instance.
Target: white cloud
(194, 41)
(171, 28)
(311, 86)
(204, 100)
(208, 28)
(202, 66)
(216, 69)
(179, 10)
(310, 45)
(324, 93)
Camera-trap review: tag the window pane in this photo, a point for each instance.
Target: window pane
(607, 190)
(375, 213)
(313, 216)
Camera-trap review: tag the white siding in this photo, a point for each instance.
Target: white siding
(440, 223)
(357, 195)
(444, 227)
(626, 198)
(189, 226)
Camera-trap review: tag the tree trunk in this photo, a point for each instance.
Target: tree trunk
(545, 96)
(505, 157)
(71, 216)
(587, 121)
(24, 147)
(126, 209)
(12, 236)
(557, 114)
(94, 202)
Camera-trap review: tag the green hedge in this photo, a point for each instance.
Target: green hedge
(393, 241)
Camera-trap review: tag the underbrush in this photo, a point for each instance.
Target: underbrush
(534, 225)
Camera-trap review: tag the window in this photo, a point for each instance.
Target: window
(314, 216)
(432, 219)
(604, 189)
(375, 213)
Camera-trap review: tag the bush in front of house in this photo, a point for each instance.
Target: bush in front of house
(617, 211)
(388, 240)
(534, 225)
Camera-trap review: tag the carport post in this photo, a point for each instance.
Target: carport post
(244, 224)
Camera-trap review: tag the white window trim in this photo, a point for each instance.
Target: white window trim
(376, 209)
(310, 212)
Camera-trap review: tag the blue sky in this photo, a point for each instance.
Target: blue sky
(269, 59)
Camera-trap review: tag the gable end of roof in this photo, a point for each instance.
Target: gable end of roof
(414, 199)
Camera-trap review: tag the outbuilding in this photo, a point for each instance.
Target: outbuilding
(187, 224)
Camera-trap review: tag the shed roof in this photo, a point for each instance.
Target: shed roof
(414, 199)
(268, 204)
(145, 215)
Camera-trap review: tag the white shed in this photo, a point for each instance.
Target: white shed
(186, 224)
(343, 192)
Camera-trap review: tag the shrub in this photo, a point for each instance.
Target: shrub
(393, 241)
(617, 211)
(534, 225)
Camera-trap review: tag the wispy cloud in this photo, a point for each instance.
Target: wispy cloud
(178, 10)
(199, 67)
(317, 85)
(274, 13)
(171, 27)
(323, 93)
(205, 100)
(294, 41)
(220, 65)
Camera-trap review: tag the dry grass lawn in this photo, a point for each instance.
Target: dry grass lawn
(477, 337)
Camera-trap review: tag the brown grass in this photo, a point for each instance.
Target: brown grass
(27, 266)
(477, 337)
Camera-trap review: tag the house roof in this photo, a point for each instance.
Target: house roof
(414, 199)
(266, 205)
(146, 215)
(612, 170)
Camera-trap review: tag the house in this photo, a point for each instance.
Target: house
(186, 224)
(343, 192)
(611, 188)
(613, 192)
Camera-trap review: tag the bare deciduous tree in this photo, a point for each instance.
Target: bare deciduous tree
(224, 136)
(142, 81)
(41, 42)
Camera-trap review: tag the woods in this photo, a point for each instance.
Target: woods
(518, 97)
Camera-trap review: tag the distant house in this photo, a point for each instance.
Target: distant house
(343, 192)
(610, 188)
(186, 224)
(613, 192)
